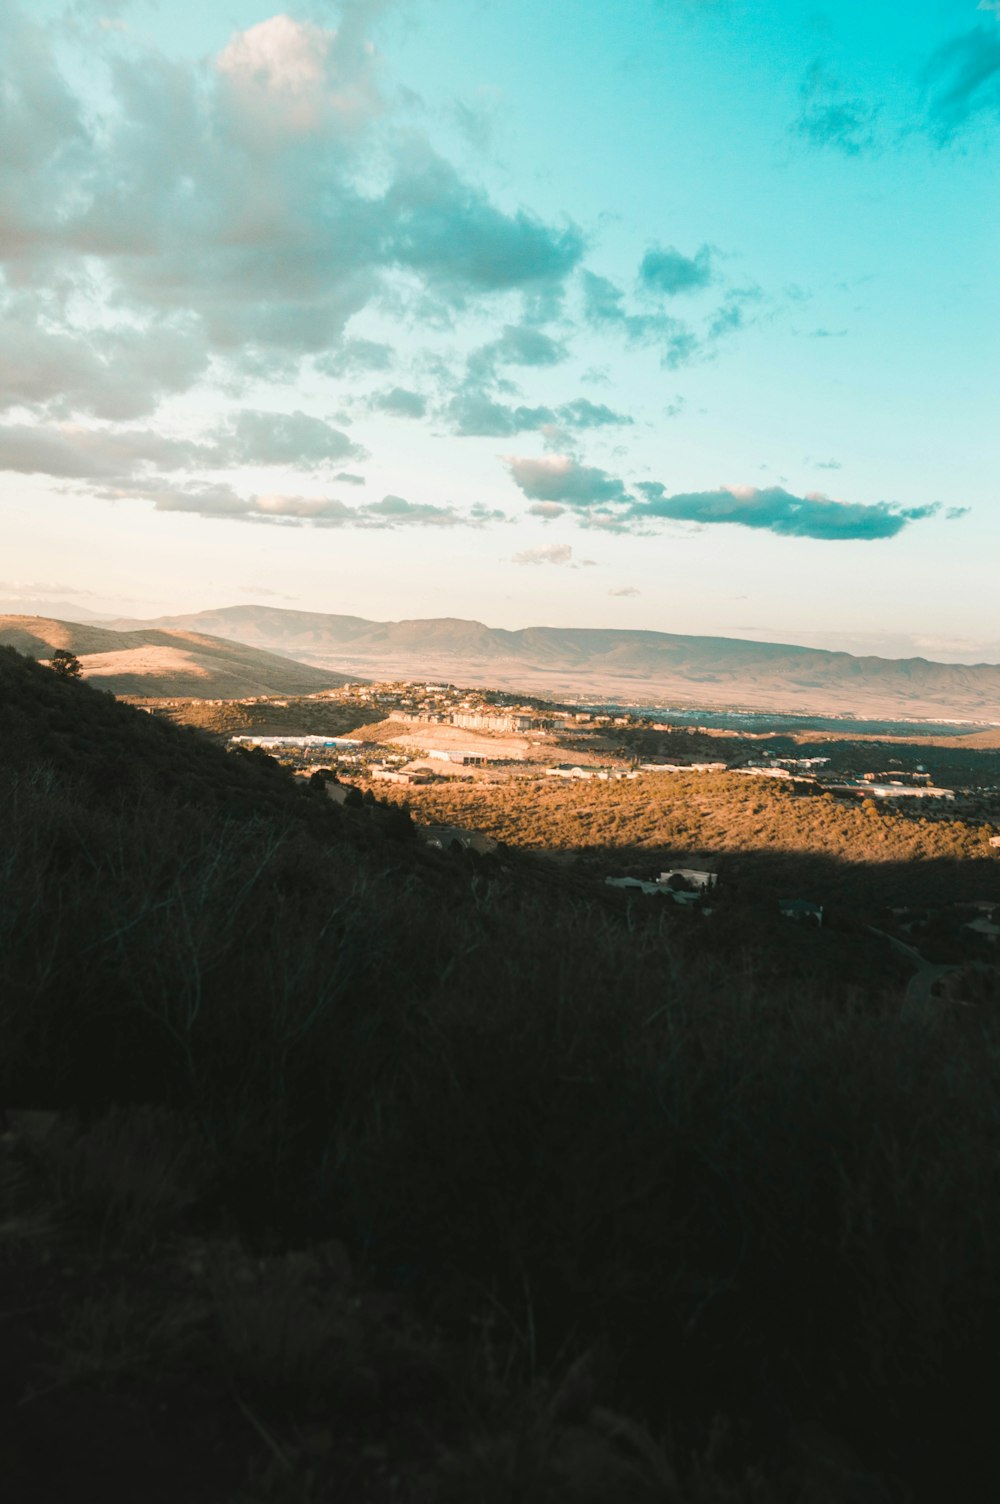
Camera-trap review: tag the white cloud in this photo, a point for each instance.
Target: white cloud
(554, 553)
(227, 218)
(561, 479)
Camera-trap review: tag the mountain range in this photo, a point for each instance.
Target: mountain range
(659, 667)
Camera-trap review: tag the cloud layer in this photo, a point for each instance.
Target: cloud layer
(778, 511)
(559, 483)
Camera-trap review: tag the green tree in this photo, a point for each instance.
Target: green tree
(66, 664)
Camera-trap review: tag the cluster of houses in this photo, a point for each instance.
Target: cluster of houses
(682, 767)
(867, 788)
(983, 923)
(584, 770)
(690, 885)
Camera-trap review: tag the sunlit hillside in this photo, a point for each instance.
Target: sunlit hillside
(157, 663)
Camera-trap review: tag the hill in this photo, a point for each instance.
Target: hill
(156, 662)
(768, 837)
(379, 1172)
(659, 666)
(59, 610)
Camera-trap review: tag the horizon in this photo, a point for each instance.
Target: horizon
(125, 622)
(656, 324)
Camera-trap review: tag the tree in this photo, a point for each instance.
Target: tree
(66, 664)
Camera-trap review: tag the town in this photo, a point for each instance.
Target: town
(456, 757)
(413, 733)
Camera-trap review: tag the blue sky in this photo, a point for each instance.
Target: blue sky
(680, 314)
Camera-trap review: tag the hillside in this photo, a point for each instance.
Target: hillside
(663, 667)
(767, 837)
(377, 1172)
(156, 662)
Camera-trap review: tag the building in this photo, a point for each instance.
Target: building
(401, 775)
(682, 767)
(801, 909)
(445, 836)
(303, 743)
(571, 770)
(703, 878)
(906, 791)
(863, 790)
(483, 721)
(648, 886)
(984, 927)
(465, 759)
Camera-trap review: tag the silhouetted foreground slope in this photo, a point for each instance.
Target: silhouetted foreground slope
(625, 1220)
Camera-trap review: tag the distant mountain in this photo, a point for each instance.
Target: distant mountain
(157, 663)
(56, 610)
(662, 667)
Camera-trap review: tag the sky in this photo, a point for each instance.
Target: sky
(678, 315)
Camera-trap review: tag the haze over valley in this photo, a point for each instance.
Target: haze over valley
(706, 672)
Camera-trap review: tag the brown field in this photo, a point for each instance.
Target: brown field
(417, 736)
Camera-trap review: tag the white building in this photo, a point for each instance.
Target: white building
(698, 877)
(984, 927)
(906, 791)
(302, 742)
(466, 759)
(682, 767)
(653, 887)
(482, 721)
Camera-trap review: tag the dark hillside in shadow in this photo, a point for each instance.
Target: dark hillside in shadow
(588, 1203)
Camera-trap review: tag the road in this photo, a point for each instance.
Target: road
(920, 987)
